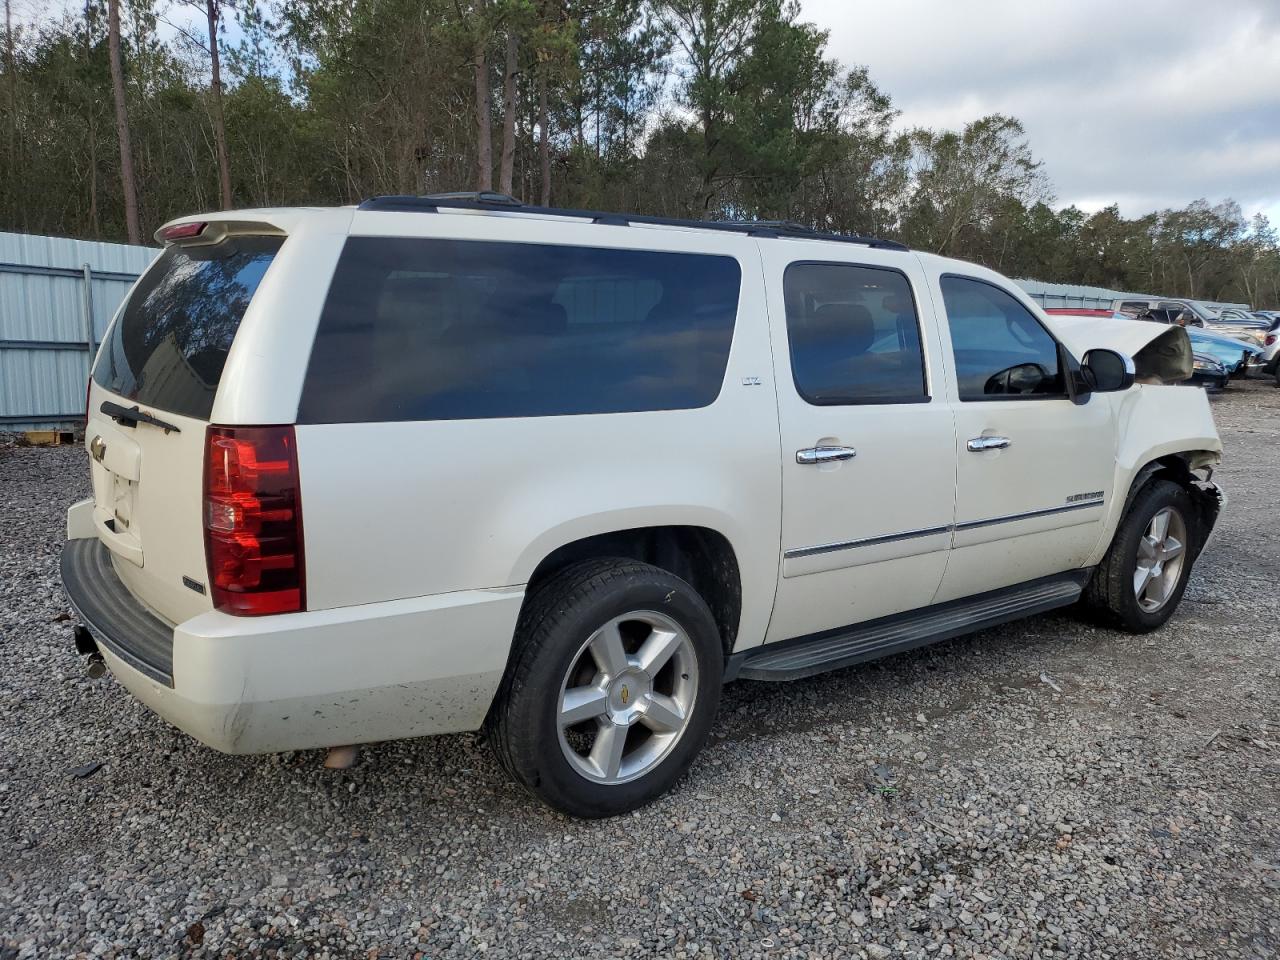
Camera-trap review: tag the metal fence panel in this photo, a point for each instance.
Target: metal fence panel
(1085, 297)
(50, 289)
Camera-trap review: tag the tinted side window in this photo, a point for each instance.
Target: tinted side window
(1000, 348)
(169, 344)
(426, 329)
(854, 335)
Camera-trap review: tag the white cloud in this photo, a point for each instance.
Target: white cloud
(1146, 103)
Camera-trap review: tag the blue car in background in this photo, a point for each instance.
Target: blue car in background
(1235, 355)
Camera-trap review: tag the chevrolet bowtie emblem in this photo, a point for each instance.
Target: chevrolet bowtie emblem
(625, 695)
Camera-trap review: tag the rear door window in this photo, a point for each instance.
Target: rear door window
(854, 335)
(430, 329)
(169, 344)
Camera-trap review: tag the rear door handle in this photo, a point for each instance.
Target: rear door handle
(825, 454)
(978, 444)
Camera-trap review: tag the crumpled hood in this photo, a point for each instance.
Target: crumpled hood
(1161, 353)
(1082, 334)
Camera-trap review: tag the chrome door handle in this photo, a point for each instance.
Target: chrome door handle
(978, 444)
(825, 454)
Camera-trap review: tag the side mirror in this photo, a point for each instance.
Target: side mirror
(1108, 371)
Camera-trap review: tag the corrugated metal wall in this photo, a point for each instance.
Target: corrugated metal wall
(51, 290)
(1093, 298)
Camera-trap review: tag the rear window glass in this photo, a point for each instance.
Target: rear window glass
(427, 329)
(854, 335)
(169, 344)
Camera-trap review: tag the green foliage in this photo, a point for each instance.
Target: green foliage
(694, 108)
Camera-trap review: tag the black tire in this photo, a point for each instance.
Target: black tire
(556, 621)
(1110, 594)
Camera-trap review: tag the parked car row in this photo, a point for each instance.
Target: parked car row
(1231, 322)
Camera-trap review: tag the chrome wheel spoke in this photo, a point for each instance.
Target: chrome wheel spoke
(657, 650)
(582, 703)
(606, 752)
(662, 714)
(1159, 528)
(1141, 578)
(607, 650)
(1172, 548)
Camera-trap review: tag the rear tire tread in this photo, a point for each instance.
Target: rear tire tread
(555, 593)
(544, 610)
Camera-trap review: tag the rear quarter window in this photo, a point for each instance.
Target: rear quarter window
(169, 344)
(430, 329)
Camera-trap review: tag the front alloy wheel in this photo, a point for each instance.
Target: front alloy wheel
(1160, 555)
(1140, 581)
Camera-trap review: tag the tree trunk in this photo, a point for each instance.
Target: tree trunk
(94, 227)
(484, 111)
(128, 186)
(219, 125)
(544, 138)
(509, 112)
(12, 77)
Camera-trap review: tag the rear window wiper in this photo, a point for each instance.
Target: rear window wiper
(132, 416)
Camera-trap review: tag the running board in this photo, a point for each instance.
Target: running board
(832, 649)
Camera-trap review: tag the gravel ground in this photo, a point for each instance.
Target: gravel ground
(1047, 788)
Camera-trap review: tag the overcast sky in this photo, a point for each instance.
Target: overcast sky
(1145, 103)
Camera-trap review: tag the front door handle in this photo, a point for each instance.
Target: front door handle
(978, 444)
(825, 454)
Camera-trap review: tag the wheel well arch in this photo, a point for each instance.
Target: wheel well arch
(1179, 468)
(700, 556)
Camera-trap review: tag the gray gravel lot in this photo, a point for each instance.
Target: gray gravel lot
(1043, 789)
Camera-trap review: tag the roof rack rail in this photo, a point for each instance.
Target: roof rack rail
(486, 200)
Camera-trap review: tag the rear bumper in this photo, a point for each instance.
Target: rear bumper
(379, 671)
(118, 623)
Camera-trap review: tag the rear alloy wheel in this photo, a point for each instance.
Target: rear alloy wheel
(627, 697)
(612, 686)
(1140, 581)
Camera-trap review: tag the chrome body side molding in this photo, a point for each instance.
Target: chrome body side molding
(822, 548)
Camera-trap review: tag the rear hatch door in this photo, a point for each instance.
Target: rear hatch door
(150, 400)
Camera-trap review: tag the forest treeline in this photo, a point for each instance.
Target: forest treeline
(121, 115)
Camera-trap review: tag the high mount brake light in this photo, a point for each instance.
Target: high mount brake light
(253, 520)
(182, 231)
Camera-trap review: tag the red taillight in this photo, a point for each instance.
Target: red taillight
(253, 520)
(1271, 340)
(182, 231)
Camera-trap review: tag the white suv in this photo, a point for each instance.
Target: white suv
(433, 464)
